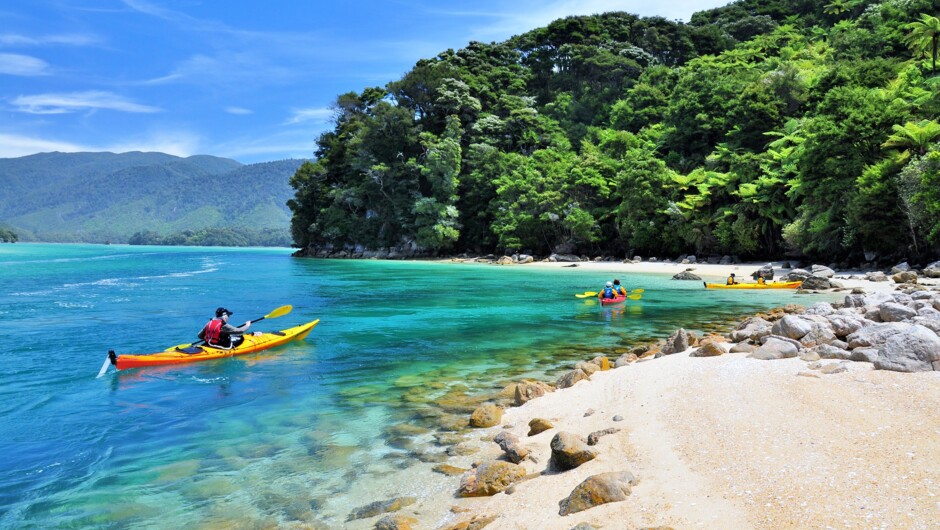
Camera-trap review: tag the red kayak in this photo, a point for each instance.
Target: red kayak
(615, 300)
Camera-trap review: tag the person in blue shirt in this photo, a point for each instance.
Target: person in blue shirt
(618, 289)
(607, 292)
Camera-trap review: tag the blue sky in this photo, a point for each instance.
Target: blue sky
(248, 80)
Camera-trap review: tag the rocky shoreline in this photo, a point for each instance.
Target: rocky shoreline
(597, 454)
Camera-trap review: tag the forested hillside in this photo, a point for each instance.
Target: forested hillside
(756, 129)
(99, 197)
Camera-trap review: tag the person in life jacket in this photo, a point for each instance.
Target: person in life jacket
(618, 289)
(607, 292)
(731, 280)
(760, 278)
(218, 332)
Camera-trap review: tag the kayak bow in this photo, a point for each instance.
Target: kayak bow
(186, 353)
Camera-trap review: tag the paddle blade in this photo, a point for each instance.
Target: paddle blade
(581, 295)
(590, 293)
(279, 312)
(104, 367)
(635, 296)
(638, 291)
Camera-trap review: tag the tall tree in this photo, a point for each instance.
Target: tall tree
(925, 36)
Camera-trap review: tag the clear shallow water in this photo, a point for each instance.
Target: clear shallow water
(290, 435)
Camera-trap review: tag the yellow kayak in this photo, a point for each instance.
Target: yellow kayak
(187, 353)
(771, 285)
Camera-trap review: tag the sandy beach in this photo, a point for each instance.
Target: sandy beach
(717, 442)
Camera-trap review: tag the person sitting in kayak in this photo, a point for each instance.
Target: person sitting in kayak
(731, 280)
(618, 289)
(608, 292)
(760, 278)
(218, 332)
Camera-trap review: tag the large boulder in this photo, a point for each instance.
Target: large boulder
(820, 308)
(686, 275)
(797, 274)
(932, 270)
(818, 334)
(597, 490)
(768, 271)
(753, 328)
(845, 325)
(708, 349)
(827, 351)
(528, 390)
(894, 312)
(570, 451)
(905, 277)
(510, 445)
(876, 276)
(900, 267)
(917, 350)
(876, 335)
(816, 283)
(490, 478)
(775, 348)
(679, 341)
(821, 271)
(792, 326)
(572, 377)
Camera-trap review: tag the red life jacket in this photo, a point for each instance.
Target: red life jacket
(213, 331)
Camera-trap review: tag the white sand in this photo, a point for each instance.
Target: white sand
(720, 443)
(731, 442)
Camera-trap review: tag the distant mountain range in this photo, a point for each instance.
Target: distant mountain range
(108, 197)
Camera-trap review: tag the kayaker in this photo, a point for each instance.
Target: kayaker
(607, 292)
(731, 280)
(760, 278)
(618, 289)
(218, 332)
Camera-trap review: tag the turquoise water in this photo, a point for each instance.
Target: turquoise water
(295, 434)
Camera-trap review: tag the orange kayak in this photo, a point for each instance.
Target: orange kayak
(187, 353)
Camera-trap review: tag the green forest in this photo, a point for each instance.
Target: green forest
(215, 237)
(759, 129)
(8, 236)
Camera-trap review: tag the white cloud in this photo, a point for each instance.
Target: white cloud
(238, 111)
(78, 101)
(175, 143)
(316, 115)
(12, 145)
(179, 143)
(24, 65)
(68, 39)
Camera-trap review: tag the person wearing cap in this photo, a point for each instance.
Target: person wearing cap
(731, 280)
(618, 289)
(218, 332)
(607, 292)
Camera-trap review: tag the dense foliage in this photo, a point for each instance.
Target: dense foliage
(216, 237)
(755, 129)
(107, 197)
(8, 236)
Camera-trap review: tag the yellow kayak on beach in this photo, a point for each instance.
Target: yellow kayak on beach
(772, 285)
